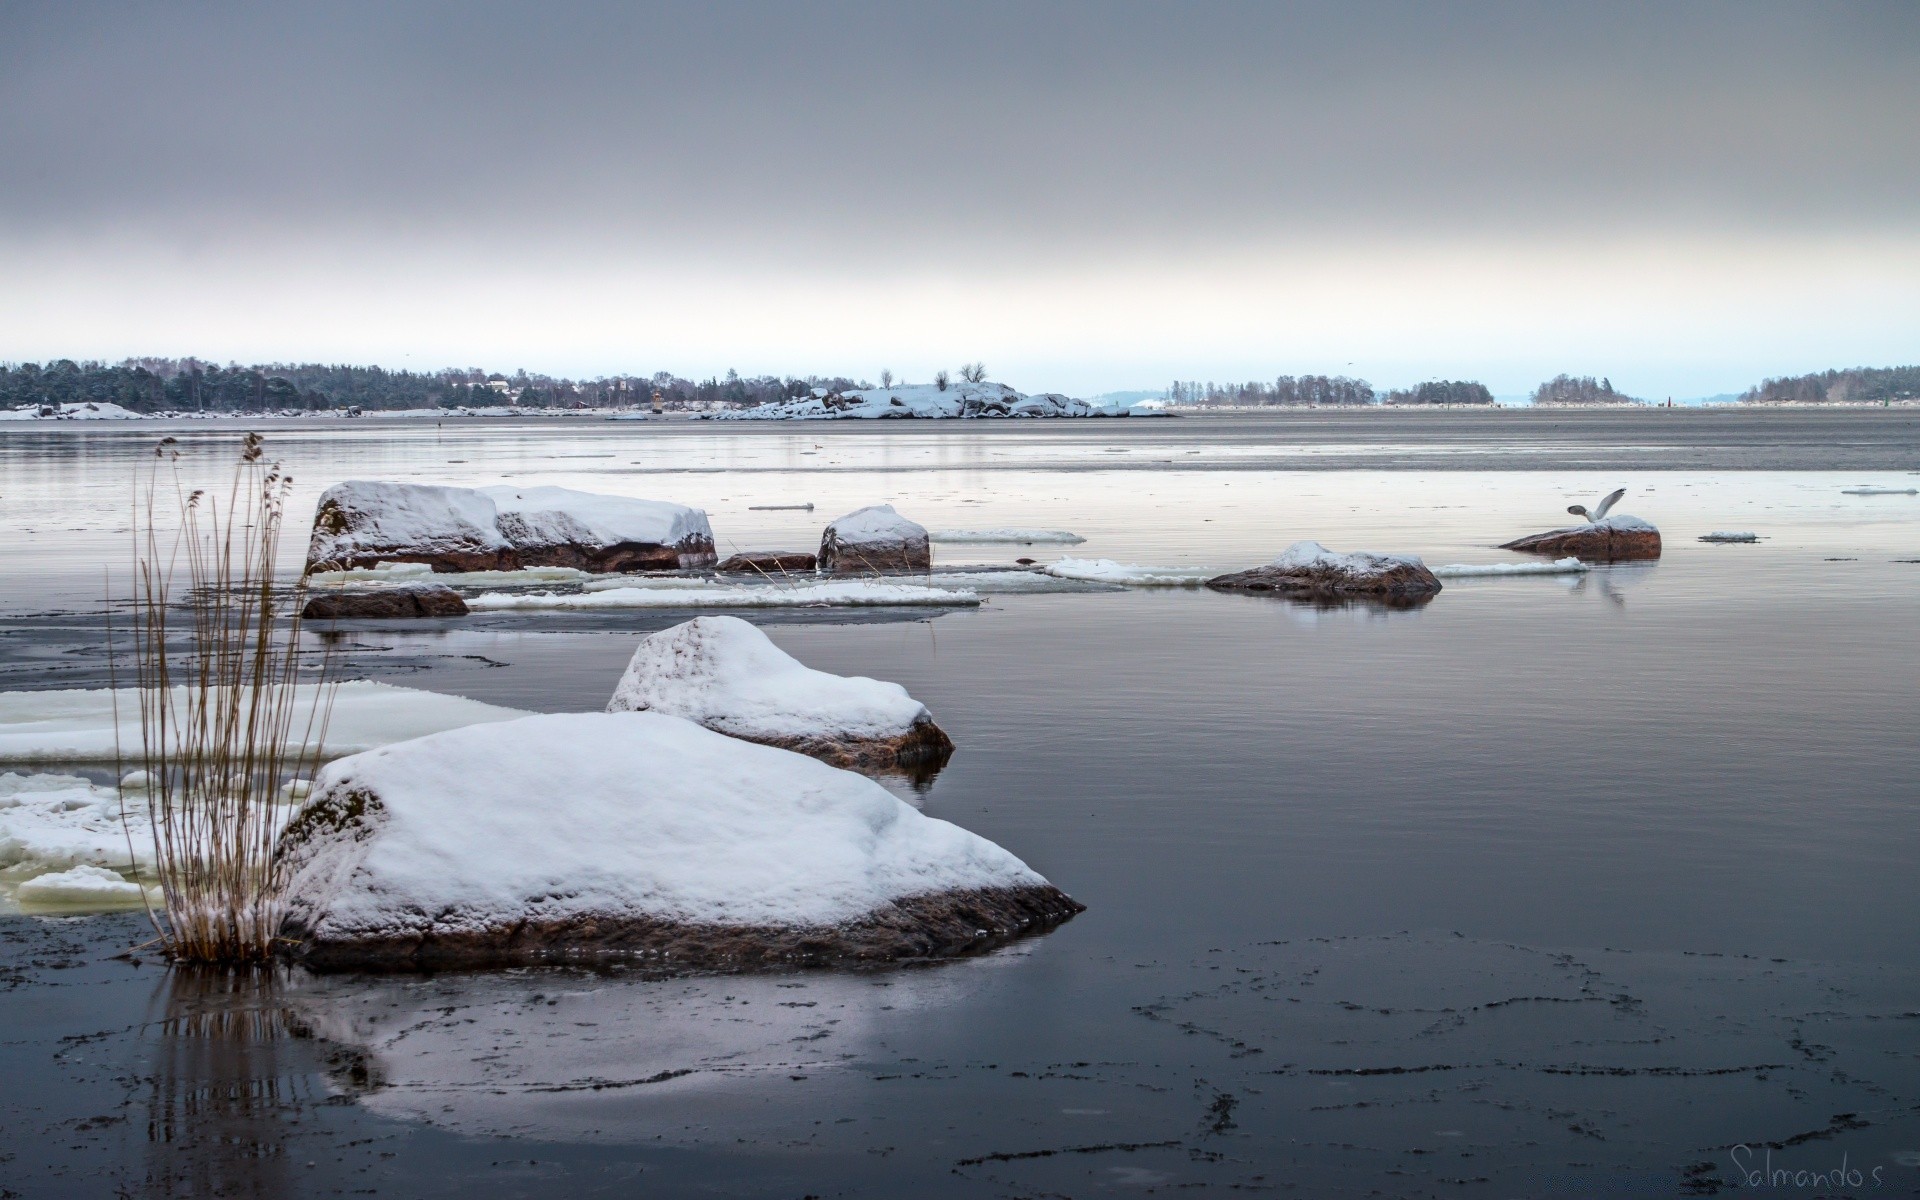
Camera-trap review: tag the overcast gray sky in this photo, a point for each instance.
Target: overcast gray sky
(1685, 197)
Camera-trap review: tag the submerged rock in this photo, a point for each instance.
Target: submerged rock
(724, 673)
(503, 528)
(1309, 570)
(634, 836)
(1614, 539)
(385, 603)
(767, 562)
(874, 539)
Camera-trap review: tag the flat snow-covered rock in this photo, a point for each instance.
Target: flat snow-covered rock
(360, 524)
(78, 725)
(874, 539)
(639, 836)
(925, 401)
(1310, 569)
(725, 674)
(1618, 538)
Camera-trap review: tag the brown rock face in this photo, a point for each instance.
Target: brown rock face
(767, 562)
(1594, 543)
(1401, 580)
(941, 925)
(385, 603)
(918, 754)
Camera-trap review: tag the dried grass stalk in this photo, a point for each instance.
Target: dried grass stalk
(220, 723)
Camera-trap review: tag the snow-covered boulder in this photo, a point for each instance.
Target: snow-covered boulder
(1617, 538)
(639, 836)
(875, 538)
(408, 600)
(725, 674)
(1310, 569)
(503, 528)
(767, 562)
(960, 400)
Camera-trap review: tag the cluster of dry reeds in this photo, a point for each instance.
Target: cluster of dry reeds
(222, 723)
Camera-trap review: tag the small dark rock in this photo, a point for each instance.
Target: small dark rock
(385, 603)
(767, 562)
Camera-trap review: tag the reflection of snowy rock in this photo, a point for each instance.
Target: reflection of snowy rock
(1614, 539)
(723, 673)
(766, 562)
(874, 539)
(638, 836)
(1308, 569)
(927, 401)
(503, 528)
(390, 603)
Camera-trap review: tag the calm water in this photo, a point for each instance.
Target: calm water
(1548, 887)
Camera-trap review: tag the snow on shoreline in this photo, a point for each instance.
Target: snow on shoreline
(77, 726)
(1006, 537)
(703, 594)
(959, 400)
(1560, 566)
(1106, 570)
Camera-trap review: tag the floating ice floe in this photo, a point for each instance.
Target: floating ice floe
(695, 594)
(52, 823)
(77, 726)
(1730, 535)
(1006, 537)
(727, 675)
(652, 838)
(1562, 566)
(1106, 570)
(423, 573)
(86, 887)
(1880, 491)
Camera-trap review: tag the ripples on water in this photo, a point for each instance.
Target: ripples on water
(1556, 883)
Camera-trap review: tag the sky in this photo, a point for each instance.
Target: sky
(1684, 197)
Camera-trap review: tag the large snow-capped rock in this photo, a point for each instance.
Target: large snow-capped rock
(362, 523)
(875, 538)
(633, 835)
(957, 400)
(1310, 569)
(725, 674)
(1617, 538)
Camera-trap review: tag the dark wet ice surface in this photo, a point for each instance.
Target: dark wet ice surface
(1547, 888)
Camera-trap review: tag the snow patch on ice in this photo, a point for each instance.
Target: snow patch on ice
(834, 594)
(1730, 535)
(85, 886)
(77, 726)
(1560, 566)
(608, 815)
(725, 674)
(1106, 570)
(1879, 491)
(1015, 537)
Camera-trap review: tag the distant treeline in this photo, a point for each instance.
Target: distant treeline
(1288, 389)
(1450, 391)
(1857, 385)
(193, 385)
(1583, 389)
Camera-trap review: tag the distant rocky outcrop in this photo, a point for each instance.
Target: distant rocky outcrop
(503, 528)
(403, 602)
(1580, 390)
(874, 539)
(767, 562)
(638, 837)
(1308, 570)
(1617, 538)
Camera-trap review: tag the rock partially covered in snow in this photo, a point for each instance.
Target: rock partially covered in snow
(387, 603)
(633, 835)
(503, 528)
(724, 673)
(960, 400)
(1617, 538)
(874, 539)
(767, 562)
(1311, 570)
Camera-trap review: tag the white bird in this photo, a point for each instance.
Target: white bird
(1600, 511)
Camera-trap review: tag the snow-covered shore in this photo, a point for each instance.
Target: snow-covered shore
(956, 401)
